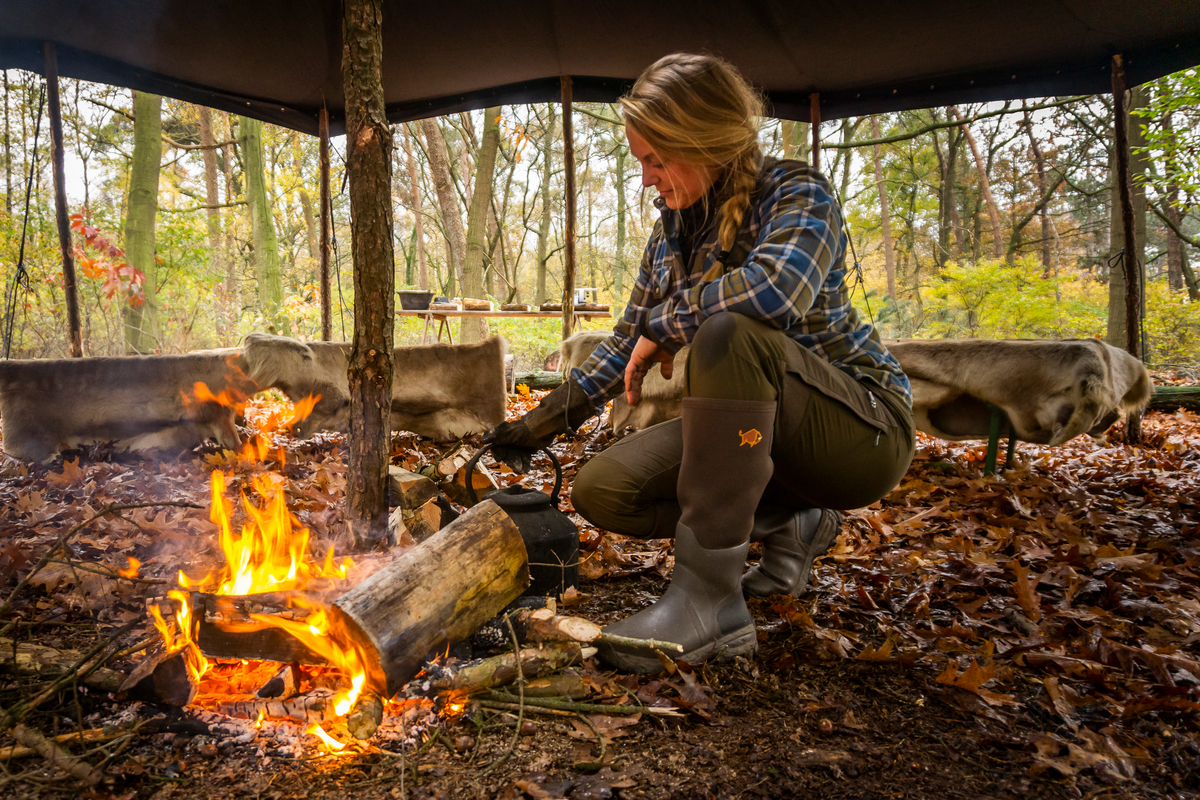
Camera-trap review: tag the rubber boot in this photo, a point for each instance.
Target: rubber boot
(791, 540)
(726, 465)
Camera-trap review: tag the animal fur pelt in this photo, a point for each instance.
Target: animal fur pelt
(441, 391)
(1050, 391)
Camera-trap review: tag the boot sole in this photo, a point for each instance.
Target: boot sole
(741, 642)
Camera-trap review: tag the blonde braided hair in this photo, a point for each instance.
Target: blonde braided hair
(699, 110)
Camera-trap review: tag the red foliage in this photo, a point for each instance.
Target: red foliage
(108, 263)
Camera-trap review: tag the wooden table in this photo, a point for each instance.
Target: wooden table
(443, 318)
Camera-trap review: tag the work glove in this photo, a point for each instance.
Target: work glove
(563, 410)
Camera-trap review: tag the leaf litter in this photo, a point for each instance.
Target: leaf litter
(1047, 617)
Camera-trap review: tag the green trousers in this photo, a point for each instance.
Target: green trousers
(838, 443)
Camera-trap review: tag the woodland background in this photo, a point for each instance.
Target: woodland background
(194, 227)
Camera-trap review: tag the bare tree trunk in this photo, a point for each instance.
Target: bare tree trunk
(414, 178)
(543, 242)
(368, 161)
(262, 225)
(439, 165)
(141, 322)
(1120, 306)
(885, 218)
(474, 329)
(7, 153)
(1040, 162)
(985, 187)
(213, 199)
(1175, 253)
(622, 210)
(568, 301)
(233, 290)
(326, 225)
(310, 224)
(58, 152)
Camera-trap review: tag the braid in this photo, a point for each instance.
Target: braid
(740, 183)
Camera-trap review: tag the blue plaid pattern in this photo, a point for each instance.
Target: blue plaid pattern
(787, 269)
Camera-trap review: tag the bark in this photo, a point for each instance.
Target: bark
(1039, 161)
(488, 673)
(543, 241)
(945, 198)
(474, 329)
(419, 224)
(8, 189)
(213, 198)
(985, 187)
(266, 244)
(432, 595)
(310, 223)
(326, 222)
(141, 322)
(368, 161)
(885, 219)
(452, 223)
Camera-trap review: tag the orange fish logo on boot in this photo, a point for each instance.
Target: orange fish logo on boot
(750, 437)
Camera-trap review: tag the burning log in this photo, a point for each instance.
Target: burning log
(226, 629)
(432, 595)
(366, 716)
(161, 677)
(314, 706)
(487, 673)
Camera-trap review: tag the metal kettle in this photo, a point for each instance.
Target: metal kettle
(551, 538)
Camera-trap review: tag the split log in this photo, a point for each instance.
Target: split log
(161, 677)
(35, 659)
(432, 595)
(487, 673)
(225, 629)
(408, 489)
(455, 483)
(419, 523)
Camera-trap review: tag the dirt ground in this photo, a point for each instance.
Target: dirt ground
(1035, 634)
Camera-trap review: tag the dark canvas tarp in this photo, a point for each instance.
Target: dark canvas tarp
(280, 60)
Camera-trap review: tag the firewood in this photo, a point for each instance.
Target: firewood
(366, 716)
(551, 306)
(487, 673)
(225, 629)
(161, 677)
(572, 687)
(408, 489)
(515, 307)
(472, 304)
(539, 380)
(35, 659)
(314, 706)
(418, 524)
(543, 625)
(285, 683)
(432, 595)
(481, 479)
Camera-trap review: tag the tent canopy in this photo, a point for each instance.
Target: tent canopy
(280, 60)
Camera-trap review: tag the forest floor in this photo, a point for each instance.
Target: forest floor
(1033, 634)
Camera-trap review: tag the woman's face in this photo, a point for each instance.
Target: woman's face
(680, 185)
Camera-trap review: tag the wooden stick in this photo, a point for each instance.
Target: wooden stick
(60, 202)
(366, 716)
(56, 756)
(485, 673)
(646, 644)
(586, 708)
(82, 737)
(36, 659)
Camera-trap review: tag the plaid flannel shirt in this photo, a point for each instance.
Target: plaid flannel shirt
(787, 269)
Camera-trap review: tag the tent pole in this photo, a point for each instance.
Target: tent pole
(326, 203)
(568, 304)
(1133, 269)
(60, 202)
(814, 114)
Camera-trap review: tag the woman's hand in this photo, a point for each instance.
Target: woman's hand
(645, 355)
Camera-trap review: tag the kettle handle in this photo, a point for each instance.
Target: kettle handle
(475, 458)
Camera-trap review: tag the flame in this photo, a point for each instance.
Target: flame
(262, 714)
(333, 744)
(271, 552)
(184, 640)
(132, 570)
